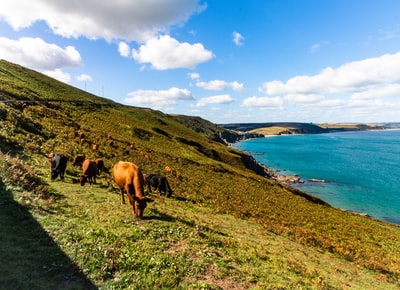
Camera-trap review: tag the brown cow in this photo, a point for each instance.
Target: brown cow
(129, 178)
(178, 176)
(89, 168)
(168, 170)
(78, 160)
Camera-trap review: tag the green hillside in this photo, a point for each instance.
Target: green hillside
(226, 226)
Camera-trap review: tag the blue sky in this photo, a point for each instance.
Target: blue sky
(225, 61)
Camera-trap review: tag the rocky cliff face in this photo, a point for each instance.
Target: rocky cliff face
(252, 164)
(228, 137)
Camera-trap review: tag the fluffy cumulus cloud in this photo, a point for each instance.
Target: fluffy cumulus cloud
(158, 99)
(213, 100)
(263, 102)
(351, 77)
(122, 20)
(237, 38)
(303, 99)
(84, 78)
(123, 49)
(131, 20)
(37, 54)
(193, 76)
(219, 85)
(165, 52)
(355, 90)
(378, 92)
(58, 75)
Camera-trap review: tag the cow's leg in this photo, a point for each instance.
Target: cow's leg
(160, 188)
(130, 192)
(133, 210)
(122, 196)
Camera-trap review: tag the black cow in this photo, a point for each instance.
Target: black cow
(158, 182)
(58, 166)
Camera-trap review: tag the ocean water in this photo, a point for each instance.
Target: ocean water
(362, 167)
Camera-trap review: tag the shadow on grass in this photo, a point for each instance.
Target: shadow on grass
(157, 215)
(30, 258)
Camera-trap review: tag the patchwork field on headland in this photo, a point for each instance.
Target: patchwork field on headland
(285, 128)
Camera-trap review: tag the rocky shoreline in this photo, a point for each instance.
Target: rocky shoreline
(251, 163)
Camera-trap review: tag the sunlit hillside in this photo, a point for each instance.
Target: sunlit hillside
(226, 225)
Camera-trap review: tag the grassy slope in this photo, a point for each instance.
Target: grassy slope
(225, 225)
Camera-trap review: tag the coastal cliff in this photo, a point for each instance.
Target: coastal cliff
(276, 128)
(292, 128)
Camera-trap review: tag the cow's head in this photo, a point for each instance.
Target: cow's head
(83, 179)
(54, 174)
(169, 192)
(139, 206)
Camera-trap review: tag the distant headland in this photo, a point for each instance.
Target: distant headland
(289, 128)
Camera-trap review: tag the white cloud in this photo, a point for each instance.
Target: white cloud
(377, 92)
(220, 99)
(193, 76)
(158, 99)
(165, 52)
(316, 46)
(331, 104)
(219, 85)
(263, 102)
(84, 78)
(37, 54)
(58, 75)
(123, 49)
(236, 86)
(237, 38)
(216, 85)
(350, 77)
(360, 91)
(303, 99)
(127, 20)
(130, 20)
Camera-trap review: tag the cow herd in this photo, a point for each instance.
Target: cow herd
(126, 175)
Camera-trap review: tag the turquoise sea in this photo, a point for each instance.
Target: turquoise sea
(362, 167)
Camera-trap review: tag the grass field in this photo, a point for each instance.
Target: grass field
(83, 239)
(225, 227)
